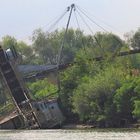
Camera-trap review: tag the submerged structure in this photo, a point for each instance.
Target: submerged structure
(27, 113)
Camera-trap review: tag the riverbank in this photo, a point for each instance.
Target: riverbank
(85, 126)
(77, 126)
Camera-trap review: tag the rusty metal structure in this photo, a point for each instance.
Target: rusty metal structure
(18, 92)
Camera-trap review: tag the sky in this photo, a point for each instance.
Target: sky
(19, 18)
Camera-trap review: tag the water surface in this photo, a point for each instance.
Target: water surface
(102, 134)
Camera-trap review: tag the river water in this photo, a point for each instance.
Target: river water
(70, 135)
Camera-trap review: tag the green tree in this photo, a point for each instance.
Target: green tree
(26, 52)
(93, 98)
(8, 41)
(109, 43)
(126, 98)
(47, 46)
(136, 111)
(42, 88)
(135, 41)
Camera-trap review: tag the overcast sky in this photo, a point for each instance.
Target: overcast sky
(19, 18)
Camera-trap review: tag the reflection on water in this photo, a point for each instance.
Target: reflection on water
(70, 135)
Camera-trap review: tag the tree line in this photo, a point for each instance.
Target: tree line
(105, 93)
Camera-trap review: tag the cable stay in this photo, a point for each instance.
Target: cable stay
(96, 39)
(77, 20)
(93, 21)
(100, 20)
(83, 43)
(58, 20)
(78, 25)
(89, 28)
(51, 24)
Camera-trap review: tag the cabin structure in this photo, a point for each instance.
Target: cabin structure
(47, 111)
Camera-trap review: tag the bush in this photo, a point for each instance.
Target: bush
(41, 89)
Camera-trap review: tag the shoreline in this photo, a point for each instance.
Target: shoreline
(86, 126)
